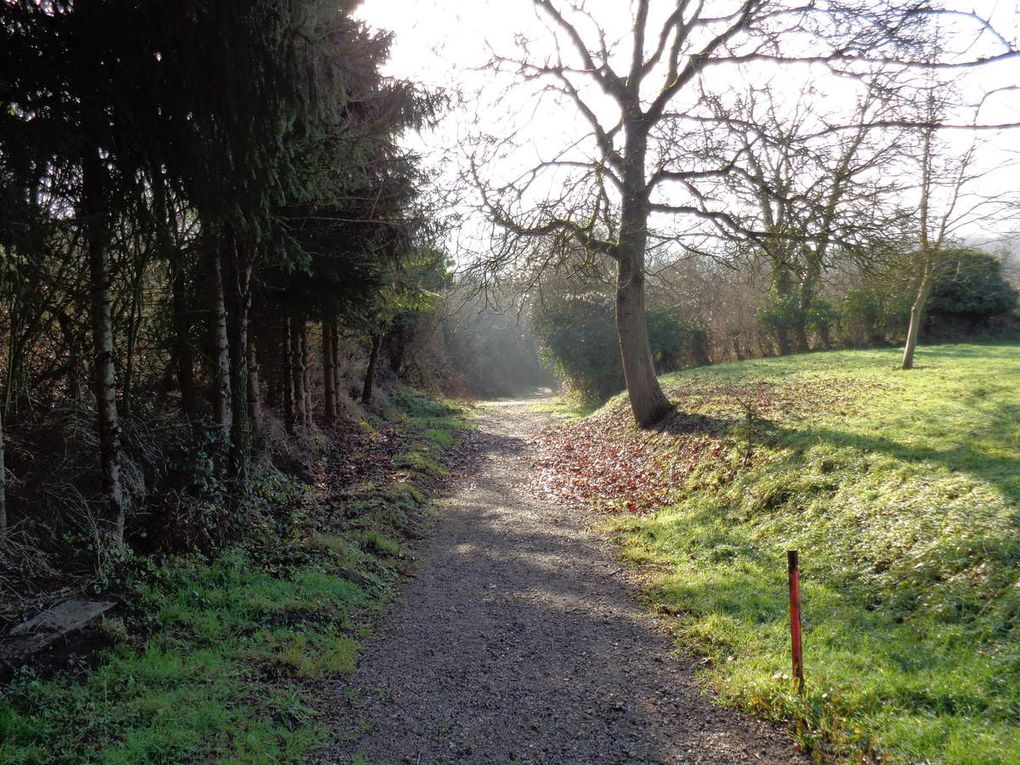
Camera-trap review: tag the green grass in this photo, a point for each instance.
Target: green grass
(204, 684)
(902, 492)
(212, 659)
(567, 408)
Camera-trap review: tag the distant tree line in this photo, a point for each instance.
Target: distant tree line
(701, 312)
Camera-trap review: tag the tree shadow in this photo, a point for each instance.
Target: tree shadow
(518, 641)
(958, 456)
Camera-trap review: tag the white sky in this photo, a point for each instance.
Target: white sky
(446, 43)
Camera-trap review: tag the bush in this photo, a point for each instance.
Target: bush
(676, 343)
(820, 319)
(971, 284)
(579, 337)
(873, 315)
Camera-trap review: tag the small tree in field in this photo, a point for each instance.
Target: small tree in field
(943, 205)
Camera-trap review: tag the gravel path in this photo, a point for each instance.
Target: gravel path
(520, 641)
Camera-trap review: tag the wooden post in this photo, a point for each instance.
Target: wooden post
(795, 631)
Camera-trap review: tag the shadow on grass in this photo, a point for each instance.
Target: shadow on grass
(960, 456)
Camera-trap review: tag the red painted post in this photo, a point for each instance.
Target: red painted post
(795, 636)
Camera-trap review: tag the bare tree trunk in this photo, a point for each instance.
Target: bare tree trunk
(338, 379)
(289, 409)
(237, 262)
(254, 401)
(929, 248)
(786, 302)
(917, 312)
(297, 354)
(373, 362)
(328, 372)
(133, 330)
(220, 349)
(184, 353)
(647, 401)
(306, 369)
(102, 336)
(3, 486)
(71, 340)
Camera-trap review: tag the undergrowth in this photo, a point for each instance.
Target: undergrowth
(207, 658)
(902, 492)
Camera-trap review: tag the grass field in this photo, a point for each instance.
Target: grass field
(902, 492)
(210, 659)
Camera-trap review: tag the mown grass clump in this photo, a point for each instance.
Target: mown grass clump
(902, 492)
(211, 655)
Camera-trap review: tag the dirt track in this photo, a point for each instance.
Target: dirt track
(519, 641)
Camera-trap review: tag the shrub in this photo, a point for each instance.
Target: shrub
(971, 284)
(578, 335)
(579, 338)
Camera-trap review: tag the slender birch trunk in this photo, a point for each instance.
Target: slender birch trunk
(184, 353)
(220, 349)
(289, 409)
(306, 369)
(254, 399)
(3, 484)
(338, 379)
(102, 336)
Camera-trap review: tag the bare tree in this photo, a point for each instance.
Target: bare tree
(943, 181)
(807, 198)
(638, 163)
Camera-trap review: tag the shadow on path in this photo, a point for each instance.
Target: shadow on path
(521, 642)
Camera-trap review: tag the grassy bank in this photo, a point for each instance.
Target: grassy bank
(902, 492)
(210, 657)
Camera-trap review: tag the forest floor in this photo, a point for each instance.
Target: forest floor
(521, 639)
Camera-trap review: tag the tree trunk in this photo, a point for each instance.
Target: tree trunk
(373, 361)
(237, 262)
(184, 353)
(328, 373)
(807, 296)
(220, 348)
(785, 305)
(102, 336)
(71, 340)
(306, 368)
(3, 486)
(183, 356)
(297, 354)
(133, 330)
(289, 409)
(927, 251)
(254, 400)
(917, 312)
(647, 401)
(338, 379)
